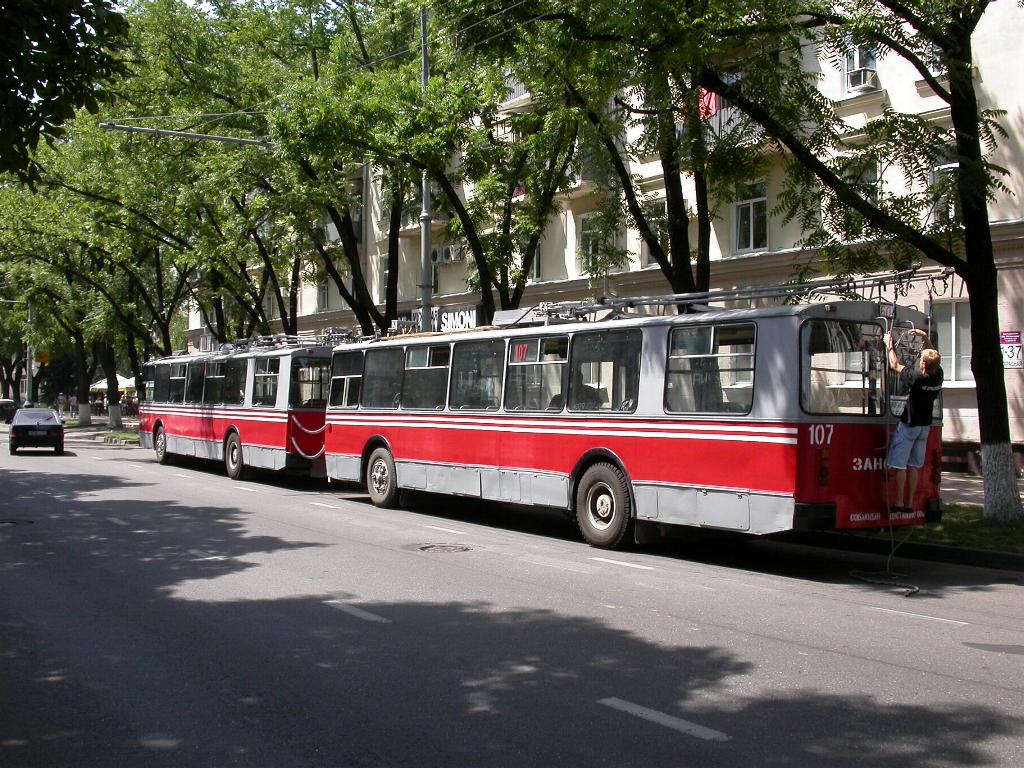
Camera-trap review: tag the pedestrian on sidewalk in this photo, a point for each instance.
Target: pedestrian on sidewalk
(61, 402)
(922, 383)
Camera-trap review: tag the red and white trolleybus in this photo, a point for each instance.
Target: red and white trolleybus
(759, 420)
(256, 403)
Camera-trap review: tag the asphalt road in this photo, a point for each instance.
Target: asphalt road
(166, 616)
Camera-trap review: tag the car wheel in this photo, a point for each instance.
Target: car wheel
(234, 463)
(58, 449)
(603, 507)
(14, 450)
(380, 478)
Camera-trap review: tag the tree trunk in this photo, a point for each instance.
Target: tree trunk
(82, 392)
(1002, 497)
(109, 363)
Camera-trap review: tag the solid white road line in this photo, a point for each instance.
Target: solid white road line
(918, 615)
(620, 562)
(359, 613)
(325, 506)
(247, 490)
(445, 530)
(187, 477)
(675, 723)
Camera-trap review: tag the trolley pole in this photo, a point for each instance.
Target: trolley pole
(425, 271)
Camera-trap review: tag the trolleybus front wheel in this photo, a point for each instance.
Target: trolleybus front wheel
(160, 446)
(380, 478)
(603, 507)
(234, 464)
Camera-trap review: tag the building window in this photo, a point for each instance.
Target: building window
(382, 277)
(590, 239)
(534, 273)
(752, 216)
(861, 69)
(952, 321)
(322, 296)
(944, 208)
(270, 307)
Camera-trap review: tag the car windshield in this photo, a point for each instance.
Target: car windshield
(35, 416)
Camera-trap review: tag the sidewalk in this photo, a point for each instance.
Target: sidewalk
(958, 488)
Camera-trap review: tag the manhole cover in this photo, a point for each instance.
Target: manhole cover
(443, 548)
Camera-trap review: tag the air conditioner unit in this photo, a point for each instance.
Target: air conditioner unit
(861, 80)
(444, 255)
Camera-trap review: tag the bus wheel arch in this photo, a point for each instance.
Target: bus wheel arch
(602, 499)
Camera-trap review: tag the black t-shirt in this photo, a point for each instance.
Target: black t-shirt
(922, 389)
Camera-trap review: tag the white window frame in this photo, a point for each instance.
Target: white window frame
(860, 63)
(750, 203)
(952, 355)
(944, 208)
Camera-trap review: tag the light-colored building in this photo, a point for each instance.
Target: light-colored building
(749, 245)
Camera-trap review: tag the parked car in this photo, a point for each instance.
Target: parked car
(36, 428)
(7, 409)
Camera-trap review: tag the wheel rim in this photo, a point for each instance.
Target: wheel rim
(380, 478)
(161, 443)
(600, 506)
(233, 454)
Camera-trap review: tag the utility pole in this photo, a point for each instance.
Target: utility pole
(29, 359)
(425, 266)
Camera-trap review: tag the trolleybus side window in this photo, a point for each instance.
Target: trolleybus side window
(177, 385)
(841, 368)
(538, 374)
(235, 371)
(264, 391)
(477, 375)
(214, 390)
(162, 383)
(310, 382)
(148, 383)
(346, 378)
(710, 369)
(383, 378)
(194, 382)
(426, 377)
(605, 370)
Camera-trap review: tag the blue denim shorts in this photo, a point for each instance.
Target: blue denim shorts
(907, 446)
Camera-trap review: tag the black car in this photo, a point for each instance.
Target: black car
(36, 428)
(7, 409)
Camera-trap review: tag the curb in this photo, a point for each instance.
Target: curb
(979, 558)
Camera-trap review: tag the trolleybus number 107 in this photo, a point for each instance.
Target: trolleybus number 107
(821, 434)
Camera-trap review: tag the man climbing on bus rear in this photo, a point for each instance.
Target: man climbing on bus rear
(922, 384)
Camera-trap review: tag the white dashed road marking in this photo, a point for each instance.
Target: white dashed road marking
(620, 562)
(325, 506)
(918, 615)
(675, 723)
(117, 521)
(445, 530)
(359, 613)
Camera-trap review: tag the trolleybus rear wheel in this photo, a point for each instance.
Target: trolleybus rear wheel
(603, 508)
(380, 478)
(234, 464)
(160, 445)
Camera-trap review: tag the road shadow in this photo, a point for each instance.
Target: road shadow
(140, 632)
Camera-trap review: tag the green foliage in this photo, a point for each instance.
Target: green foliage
(55, 56)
